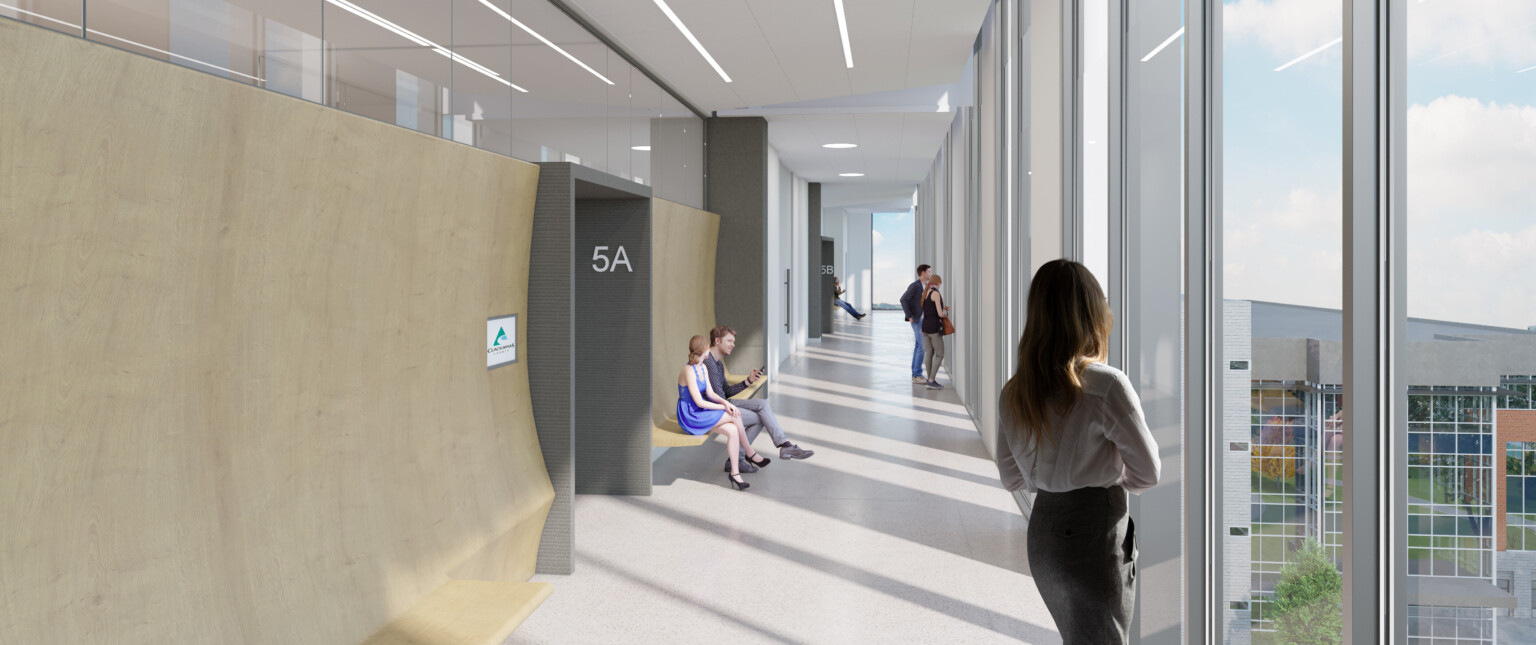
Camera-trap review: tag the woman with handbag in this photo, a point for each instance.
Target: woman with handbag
(935, 326)
(1071, 429)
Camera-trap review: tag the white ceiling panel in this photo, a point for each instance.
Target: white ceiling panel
(785, 59)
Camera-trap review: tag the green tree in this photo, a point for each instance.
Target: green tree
(1309, 599)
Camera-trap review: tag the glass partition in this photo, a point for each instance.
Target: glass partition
(60, 15)
(515, 77)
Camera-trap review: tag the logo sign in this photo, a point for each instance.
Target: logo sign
(500, 341)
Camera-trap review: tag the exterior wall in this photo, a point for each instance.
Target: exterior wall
(1523, 565)
(1513, 426)
(1237, 483)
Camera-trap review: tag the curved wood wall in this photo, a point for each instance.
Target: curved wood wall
(682, 294)
(243, 396)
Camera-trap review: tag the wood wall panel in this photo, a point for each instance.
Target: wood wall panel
(243, 396)
(682, 294)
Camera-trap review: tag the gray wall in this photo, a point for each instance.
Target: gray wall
(828, 252)
(737, 191)
(677, 160)
(613, 331)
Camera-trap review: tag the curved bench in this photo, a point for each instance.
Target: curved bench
(465, 612)
(670, 435)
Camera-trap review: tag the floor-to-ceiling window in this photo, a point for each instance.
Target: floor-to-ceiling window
(1470, 142)
(894, 265)
(1281, 186)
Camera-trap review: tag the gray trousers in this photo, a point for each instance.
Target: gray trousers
(756, 415)
(1082, 553)
(933, 346)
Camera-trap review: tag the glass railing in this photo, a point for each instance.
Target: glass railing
(514, 77)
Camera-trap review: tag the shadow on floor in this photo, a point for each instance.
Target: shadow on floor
(804, 480)
(976, 615)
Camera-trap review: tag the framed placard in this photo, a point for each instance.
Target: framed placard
(500, 341)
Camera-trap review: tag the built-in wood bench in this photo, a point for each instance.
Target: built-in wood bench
(465, 612)
(670, 435)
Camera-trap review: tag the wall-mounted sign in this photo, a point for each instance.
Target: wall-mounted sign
(500, 341)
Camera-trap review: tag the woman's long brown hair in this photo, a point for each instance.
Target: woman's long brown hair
(1066, 328)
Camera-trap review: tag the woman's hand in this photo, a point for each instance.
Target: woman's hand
(731, 410)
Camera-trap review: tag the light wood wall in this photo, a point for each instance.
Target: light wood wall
(682, 294)
(243, 397)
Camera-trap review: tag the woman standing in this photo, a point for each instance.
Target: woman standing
(933, 330)
(1071, 428)
(700, 410)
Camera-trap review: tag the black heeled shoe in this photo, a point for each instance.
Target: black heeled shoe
(738, 485)
(759, 464)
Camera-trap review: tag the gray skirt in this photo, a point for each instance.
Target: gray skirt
(1082, 553)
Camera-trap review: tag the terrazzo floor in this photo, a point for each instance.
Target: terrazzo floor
(896, 531)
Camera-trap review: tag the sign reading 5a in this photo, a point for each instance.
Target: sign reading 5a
(601, 263)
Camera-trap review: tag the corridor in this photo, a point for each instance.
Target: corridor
(896, 531)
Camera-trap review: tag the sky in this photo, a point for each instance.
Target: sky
(1471, 148)
(894, 267)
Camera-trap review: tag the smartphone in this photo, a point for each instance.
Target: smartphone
(762, 370)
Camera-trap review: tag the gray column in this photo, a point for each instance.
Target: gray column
(813, 301)
(594, 430)
(737, 190)
(550, 352)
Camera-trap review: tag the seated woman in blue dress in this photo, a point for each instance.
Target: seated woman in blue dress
(700, 410)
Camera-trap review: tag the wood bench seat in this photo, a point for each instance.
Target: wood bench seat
(465, 612)
(670, 435)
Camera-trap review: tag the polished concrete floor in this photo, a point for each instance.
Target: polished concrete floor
(896, 531)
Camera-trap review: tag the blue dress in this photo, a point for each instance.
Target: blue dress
(692, 418)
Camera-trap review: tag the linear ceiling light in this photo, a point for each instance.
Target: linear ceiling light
(542, 39)
(1163, 46)
(641, 148)
(842, 27)
(1312, 53)
(1526, 69)
(415, 38)
(839, 146)
(850, 174)
(689, 35)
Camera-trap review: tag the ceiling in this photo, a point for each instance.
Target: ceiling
(785, 60)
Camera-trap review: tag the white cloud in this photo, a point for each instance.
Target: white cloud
(1471, 165)
(1472, 223)
(1286, 29)
(1484, 32)
(876, 238)
(1291, 252)
(1479, 277)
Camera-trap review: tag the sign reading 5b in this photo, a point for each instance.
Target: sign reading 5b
(827, 269)
(601, 263)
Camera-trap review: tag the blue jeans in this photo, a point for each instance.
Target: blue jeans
(847, 307)
(917, 354)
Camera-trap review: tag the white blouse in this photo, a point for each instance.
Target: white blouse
(1103, 441)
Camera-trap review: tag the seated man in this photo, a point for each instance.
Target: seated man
(755, 413)
(837, 299)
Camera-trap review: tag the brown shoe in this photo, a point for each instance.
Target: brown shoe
(919, 380)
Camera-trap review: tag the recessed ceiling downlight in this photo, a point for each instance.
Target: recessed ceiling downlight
(851, 174)
(839, 146)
